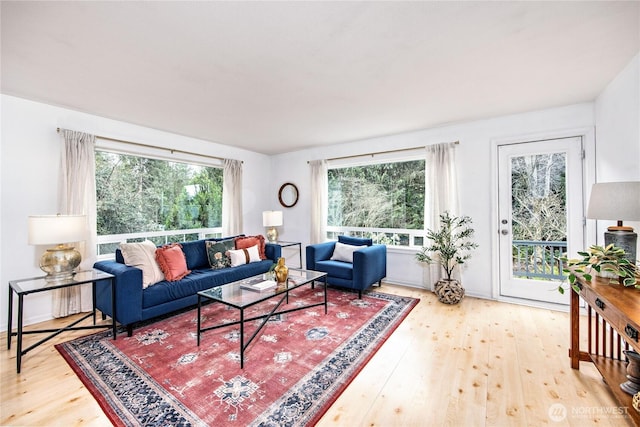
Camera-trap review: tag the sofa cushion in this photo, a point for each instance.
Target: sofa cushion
(355, 241)
(218, 253)
(172, 261)
(339, 269)
(244, 256)
(344, 253)
(143, 256)
(245, 242)
(200, 280)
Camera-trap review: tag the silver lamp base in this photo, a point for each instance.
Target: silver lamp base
(627, 240)
(59, 263)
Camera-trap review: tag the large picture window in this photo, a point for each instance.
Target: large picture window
(138, 197)
(384, 201)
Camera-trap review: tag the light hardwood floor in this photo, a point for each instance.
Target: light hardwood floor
(478, 363)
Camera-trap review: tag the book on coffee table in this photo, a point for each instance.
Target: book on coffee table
(265, 285)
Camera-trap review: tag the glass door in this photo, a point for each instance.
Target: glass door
(541, 216)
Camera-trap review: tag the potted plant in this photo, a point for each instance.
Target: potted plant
(609, 261)
(450, 246)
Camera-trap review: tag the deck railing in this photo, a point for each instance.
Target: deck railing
(532, 259)
(537, 259)
(107, 244)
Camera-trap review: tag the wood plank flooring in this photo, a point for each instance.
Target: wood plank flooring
(478, 363)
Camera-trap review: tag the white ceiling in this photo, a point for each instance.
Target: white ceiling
(274, 77)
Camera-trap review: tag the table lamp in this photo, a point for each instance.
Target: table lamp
(59, 262)
(272, 219)
(617, 201)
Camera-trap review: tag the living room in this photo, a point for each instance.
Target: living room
(607, 120)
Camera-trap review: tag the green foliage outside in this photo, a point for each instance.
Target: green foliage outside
(538, 188)
(538, 185)
(137, 194)
(388, 195)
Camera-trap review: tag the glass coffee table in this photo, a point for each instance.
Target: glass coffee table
(236, 295)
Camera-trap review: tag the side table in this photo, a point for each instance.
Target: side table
(33, 285)
(284, 244)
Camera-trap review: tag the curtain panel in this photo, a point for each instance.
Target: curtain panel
(319, 200)
(77, 196)
(441, 194)
(232, 197)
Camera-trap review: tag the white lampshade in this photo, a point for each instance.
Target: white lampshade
(272, 218)
(616, 201)
(57, 229)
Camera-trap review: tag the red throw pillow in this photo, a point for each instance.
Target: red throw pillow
(248, 241)
(172, 261)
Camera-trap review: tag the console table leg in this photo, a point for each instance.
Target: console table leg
(574, 351)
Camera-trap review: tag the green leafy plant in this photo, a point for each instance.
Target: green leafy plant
(600, 259)
(450, 244)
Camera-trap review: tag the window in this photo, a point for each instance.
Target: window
(384, 201)
(139, 197)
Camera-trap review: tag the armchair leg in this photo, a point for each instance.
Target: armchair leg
(380, 283)
(360, 294)
(130, 330)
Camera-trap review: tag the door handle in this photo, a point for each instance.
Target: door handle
(504, 232)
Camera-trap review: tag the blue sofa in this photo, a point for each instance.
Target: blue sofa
(368, 267)
(135, 304)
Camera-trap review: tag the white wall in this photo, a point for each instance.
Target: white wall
(29, 165)
(475, 177)
(618, 133)
(29, 169)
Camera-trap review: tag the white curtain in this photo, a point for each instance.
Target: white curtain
(441, 194)
(319, 200)
(232, 198)
(77, 196)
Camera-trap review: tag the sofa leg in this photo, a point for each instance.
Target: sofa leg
(130, 330)
(380, 283)
(104, 316)
(360, 294)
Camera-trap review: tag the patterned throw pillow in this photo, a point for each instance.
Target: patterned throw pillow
(172, 262)
(218, 253)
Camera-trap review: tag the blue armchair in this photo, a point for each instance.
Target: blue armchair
(368, 267)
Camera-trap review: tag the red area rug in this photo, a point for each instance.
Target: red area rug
(294, 370)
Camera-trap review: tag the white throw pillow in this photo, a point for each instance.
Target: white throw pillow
(244, 256)
(143, 256)
(342, 252)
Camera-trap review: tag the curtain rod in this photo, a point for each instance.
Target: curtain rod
(138, 144)
(381, 152)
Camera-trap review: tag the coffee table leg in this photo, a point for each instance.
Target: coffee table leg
(325, 294)
(199, 305)
(241, 338)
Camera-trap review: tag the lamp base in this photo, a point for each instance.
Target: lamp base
(627, 240)
(272, 235)
(59, 263)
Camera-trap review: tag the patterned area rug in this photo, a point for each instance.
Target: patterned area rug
(294, 370)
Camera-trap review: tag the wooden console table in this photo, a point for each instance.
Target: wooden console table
(613, 314)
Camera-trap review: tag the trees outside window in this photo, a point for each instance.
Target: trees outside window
(137, 194)
(378, 196)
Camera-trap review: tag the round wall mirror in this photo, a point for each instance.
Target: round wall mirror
(288, 195)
